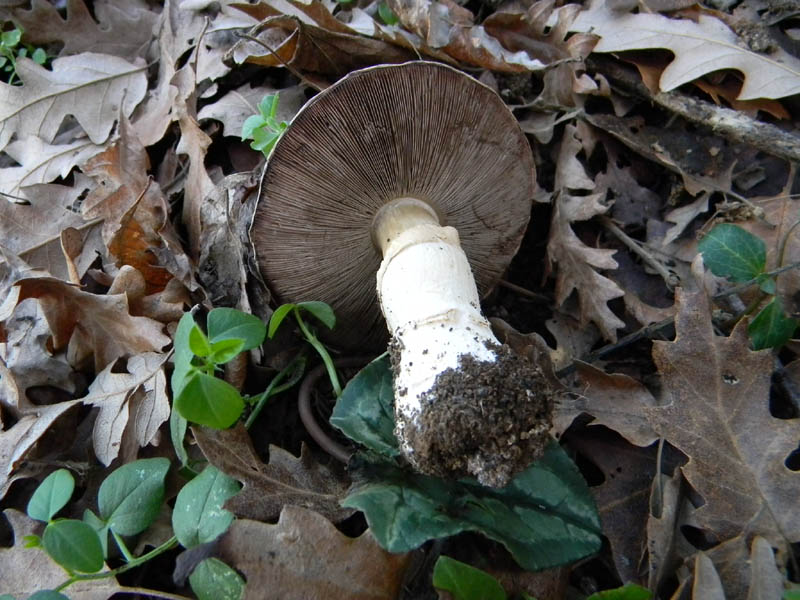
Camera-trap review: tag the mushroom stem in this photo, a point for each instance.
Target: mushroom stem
(463, 403)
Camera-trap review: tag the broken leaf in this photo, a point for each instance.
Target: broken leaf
(304, 557)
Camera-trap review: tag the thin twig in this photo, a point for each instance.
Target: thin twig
(535, 296)
(670, 278)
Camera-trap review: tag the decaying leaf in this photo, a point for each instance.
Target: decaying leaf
(765, 76)
(28, 570)
(124, 29)
(88, 325)
(112, 392)
(304, 557)
(94, 88)
(268, 487)
(576, 262)
(715, 408)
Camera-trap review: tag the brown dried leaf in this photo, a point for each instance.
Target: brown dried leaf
(112, 392)
(772, 75)
(715, 408)
(576, 261)
(28, 570)
(123, 30)
(614, 400)
(88, 324)
(40, 162)
(94, 88)
(32, 231)
(304, 557)
(268, 487)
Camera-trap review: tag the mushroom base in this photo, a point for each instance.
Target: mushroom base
(490, 420)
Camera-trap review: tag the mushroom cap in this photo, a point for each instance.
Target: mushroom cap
(418, 129)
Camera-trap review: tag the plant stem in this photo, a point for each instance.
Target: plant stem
(322, 351)
(296, 368)
(122, 547)
(170, 543)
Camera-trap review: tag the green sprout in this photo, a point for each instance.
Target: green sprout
(10, 51)
(264, 129)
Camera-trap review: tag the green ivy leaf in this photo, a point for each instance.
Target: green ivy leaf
(465, 582)
(225, 350)
(730, 251)
(198, 516)
(12, 38)
(183, 354)
(386, 14)
(212, 579)
(46, 595)
(771, 328)
(198, 342)
(51, 495)
(630, 591)
(277, 318)
(323, 312)
(364, 411)
(130, 498)
(545, 517)
(209, 401)
(229, 323)
(74, 545)
(100, 527)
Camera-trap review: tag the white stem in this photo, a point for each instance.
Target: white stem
(429, 298)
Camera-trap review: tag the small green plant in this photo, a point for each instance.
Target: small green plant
(128, 502)
(11, 49)
(386, 14)
(732, 252)
(264, 128)
(321, 312)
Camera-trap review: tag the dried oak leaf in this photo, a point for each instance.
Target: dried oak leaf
(28, 570)
(93, 88)
(575, 260)
(88, 324)
(123, 29)
(32, 231)
(304, 557)
(114, 392)
(772, 75)
(715, 408)
(40, 162)
(268, 487)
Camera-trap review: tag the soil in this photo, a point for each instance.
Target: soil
(489, 420)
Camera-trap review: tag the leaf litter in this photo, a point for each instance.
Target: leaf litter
(125, 204)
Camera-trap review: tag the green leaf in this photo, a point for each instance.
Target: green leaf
(730, 251)
(771, 328)
(277, 318)
(630, 591)
(183, 354)
(74, 545)
(545, 517)
(130, 498)
(39, 56)
(767, 284)
(198, 342)
(229, 323)
(198, 516)
(32, 541)
(8, 597)
(225, 350)
(212, 579)
(465, 582)
(386, 14)
(3, 60)
(100, 527)
(791, 595)
(46, 595)
(51, 495)
(264, 140)
(11, 38)
(364, 411)
(209, 401)
(268, 106)
(250, 125)
(177, 433)
(323, 312)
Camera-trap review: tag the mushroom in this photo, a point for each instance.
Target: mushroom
(419, 175)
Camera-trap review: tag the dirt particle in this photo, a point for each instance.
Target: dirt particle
(488, 420)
